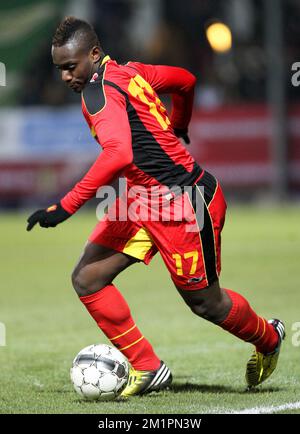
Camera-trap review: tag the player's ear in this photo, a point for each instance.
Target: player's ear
(95, 54)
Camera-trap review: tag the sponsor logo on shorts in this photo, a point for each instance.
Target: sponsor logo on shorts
(195, 279)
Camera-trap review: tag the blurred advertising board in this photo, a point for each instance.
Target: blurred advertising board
(43, 151)
(234, 143)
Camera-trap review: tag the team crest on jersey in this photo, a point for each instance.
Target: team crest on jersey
(94, 77)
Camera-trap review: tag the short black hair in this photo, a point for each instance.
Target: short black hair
(74, 28)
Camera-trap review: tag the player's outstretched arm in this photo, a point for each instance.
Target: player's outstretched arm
(112, 128)
(49, 217)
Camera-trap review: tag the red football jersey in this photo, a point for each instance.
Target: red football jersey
(122, 108)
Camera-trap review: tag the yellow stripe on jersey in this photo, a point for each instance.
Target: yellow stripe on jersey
(139, 245)
(105, 59)
(93, 131)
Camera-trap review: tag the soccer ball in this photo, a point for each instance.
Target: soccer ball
(99, 372)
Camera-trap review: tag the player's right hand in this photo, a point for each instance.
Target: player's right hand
(49, 217)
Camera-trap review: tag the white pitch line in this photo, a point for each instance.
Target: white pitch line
(271, 409)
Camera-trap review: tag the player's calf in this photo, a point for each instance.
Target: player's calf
(92, 279)
(233, 313)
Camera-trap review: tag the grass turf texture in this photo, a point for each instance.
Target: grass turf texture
(46, 325)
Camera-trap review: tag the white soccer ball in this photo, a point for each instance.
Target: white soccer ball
(99, 372)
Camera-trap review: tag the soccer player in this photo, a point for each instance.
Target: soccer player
(121, 106)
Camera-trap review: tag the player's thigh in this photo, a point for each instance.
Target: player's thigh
(124, 236)
(181, 247)
(191, 246)
(102, 257)
(183, 255)
(111, 248)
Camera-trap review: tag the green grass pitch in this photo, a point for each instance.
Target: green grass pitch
(46, 325)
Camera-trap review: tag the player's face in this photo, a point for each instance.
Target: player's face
(75, 64)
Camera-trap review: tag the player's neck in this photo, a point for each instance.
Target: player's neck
(98, 64)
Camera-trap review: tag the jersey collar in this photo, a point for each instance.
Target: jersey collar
(97, 75)
(104, 60)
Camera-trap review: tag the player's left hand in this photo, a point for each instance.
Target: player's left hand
(49, 217)
(182, 134)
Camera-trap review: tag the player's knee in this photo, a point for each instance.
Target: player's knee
(84, 284)
(211, 303)
(78, 283)
(202, 309)
(210, 310)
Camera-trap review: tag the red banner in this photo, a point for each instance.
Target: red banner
(234, 143)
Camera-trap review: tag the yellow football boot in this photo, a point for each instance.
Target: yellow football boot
(141, 382)
(260, 366)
